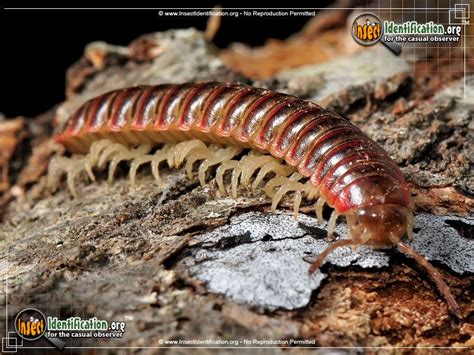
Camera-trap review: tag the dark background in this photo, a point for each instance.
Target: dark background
(39, 45)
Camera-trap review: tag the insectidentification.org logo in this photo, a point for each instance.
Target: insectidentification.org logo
(77, 327)
(368, 29)
(31, 325)
(77, 324)
(413, 31)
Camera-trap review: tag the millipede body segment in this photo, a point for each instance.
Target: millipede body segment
(294, 139)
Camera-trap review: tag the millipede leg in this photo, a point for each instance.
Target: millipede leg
(227, 165)
(283, 190)
(277, 168)
(319, 208)
(311, 191)
(109, 152)
(250, 164)
(198, 154)
(297, 203)
(113, 165)
(69, 166)
(279, 195)
(159, 156)
(181, 150)
(236, 172)
(135, 165)
(71, 176)
(286, 185)
(126, 155)
(270, 186)
(220, 156)
(94, 154)
(246, 168)
(235, 179)
(332, 223)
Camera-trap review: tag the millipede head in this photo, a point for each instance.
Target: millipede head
(379, 225)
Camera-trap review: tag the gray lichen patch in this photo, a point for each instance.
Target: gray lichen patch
(262, 259)
(265, 275)
(439, 239)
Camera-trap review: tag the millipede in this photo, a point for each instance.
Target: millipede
(251, 137)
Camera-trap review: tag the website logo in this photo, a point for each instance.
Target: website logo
(31, 324)
(367, 29)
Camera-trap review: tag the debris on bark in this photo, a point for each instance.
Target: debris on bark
(319, 82)
(29, 147)
(11, 134)
(162, 57)
(324, 38)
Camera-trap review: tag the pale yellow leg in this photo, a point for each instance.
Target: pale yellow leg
(269, 188)
(275, 167)
(181, 150)
(283, 190)
(159, 156)
(109, 152)
(285, 185)
(218, 157)
(197, 154)
(71, 176)
(126, 155)
(135, 165)
(94, 154)
(227, 165)
(332, 223)
(235, 179)
(251, 163)
(311, 191)
(297, 203)
(237, 172)
(296, 176)
(69, 166)
(319, 208)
